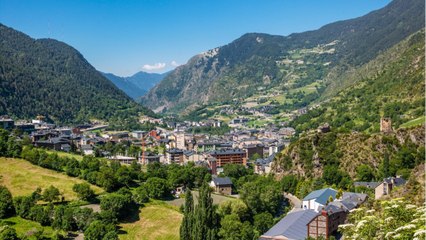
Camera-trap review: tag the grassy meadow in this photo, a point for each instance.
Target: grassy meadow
(414, 122)
(22, 178)
(65, 154)
(156, 220)
(24, 227)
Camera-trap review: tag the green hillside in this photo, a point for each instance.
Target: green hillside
(339, 155)
(395, 91)
(156, 221)
(48, 77)
(22, 178)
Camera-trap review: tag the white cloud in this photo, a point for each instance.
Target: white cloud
(174, 63)
(155, 67)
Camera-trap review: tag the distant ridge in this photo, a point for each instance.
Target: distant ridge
(136, 85)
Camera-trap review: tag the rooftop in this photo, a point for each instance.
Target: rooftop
(222, 181)
(175, 151)
(292, 226)
(227, 151)
(321, 195)
(397, 181)
(366, 184)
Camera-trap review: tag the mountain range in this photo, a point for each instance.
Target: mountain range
(136, 85)
(258, 62)
(50, 78)
(353, 114)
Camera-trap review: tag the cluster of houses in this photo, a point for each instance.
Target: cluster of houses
(235, 147)
(163, 145)
(321, 213)
(382, 188)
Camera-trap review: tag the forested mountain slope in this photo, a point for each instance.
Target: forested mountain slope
(50, 78)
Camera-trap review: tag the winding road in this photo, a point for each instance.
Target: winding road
(295, 202)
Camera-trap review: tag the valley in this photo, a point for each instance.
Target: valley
(317, 134)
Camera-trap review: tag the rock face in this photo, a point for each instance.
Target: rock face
(258, 61)
(309, 155)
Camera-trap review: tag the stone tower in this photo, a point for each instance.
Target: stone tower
(385, 125)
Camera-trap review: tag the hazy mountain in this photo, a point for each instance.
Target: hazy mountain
(257, 62)
(126, 86)
(48, 77)
(145, 80)
(136, 85)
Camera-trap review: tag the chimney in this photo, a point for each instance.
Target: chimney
(324, 213)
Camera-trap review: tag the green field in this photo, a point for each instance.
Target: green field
(259, 123)
(414, 122)
(22, 178)
(23, 227)
(217, 199)
(64, 154)
(156, 220)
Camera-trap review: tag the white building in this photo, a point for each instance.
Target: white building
(316, 200)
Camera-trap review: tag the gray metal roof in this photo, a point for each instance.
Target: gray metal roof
(86, 147)
(343, 205)
(322, 195)
(265, 161)
(292, 226)
(367, 184)
(397, 181)
(188, 153)
(175, 151)
(228, 151)
(55, 140)
(222, 181)
(357, 198)
(335, 207)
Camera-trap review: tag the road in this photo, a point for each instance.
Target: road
(295, 202)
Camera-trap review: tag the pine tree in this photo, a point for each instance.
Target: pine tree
(188, 215)
(206, 222)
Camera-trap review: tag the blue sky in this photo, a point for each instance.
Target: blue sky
(124, 37)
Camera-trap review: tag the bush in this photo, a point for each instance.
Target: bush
(157, 188)
(84, 192)
(98, 230)
(6, 203)
(116, 203)
(8, 233)
(51, 194)
(141, 195)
